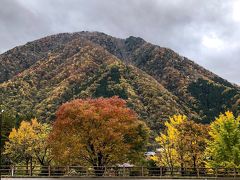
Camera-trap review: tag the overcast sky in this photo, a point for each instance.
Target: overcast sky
(206, 31)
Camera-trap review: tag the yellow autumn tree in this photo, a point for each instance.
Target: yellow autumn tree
(182, 144)
(223, 148)
(169, 154)
(28, 143)
(191, 144)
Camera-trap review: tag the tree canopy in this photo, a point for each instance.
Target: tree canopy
(182, 144)
(223, 148)
(29, 143)
(97, 132)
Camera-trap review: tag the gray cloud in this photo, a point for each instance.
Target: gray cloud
(201, 30)
(18, 24)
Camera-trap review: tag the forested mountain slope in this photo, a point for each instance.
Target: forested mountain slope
(156, 82)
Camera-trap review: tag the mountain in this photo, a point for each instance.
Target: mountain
(156, 82)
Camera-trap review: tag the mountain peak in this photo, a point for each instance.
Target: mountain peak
(156, 82)
(134, 42)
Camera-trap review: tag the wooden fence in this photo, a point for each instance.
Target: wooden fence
(80, 171)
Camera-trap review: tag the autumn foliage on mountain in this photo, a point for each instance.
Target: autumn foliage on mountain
(156, 82)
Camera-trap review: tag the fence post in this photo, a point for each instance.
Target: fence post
(124, 173)
(67, 170)
(197, 172)
(142, 171)
(49, 170)
(12, 170)
(216, 172)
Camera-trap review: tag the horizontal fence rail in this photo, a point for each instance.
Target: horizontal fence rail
(81, 171)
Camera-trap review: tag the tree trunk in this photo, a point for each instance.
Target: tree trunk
(182, 164)
(99, 168)
(171, 170)
(194, 165)
(182, 169)
(27, 160)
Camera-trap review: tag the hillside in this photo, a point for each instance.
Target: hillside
(156, 82)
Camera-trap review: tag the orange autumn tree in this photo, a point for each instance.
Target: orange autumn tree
(97, 132)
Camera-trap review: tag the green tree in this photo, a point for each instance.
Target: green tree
(9, 121)
(223, 149)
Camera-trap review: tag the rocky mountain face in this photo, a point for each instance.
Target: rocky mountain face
(156, 82)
